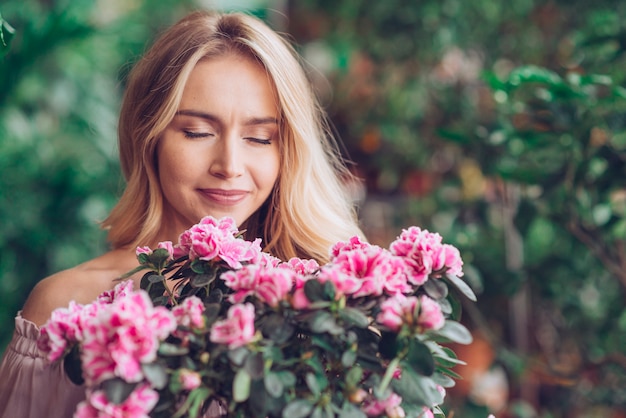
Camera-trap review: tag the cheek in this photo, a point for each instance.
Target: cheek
(174, 165)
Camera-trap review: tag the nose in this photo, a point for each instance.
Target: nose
(226, 160)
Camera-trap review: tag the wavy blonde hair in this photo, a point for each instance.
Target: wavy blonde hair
(308, 209)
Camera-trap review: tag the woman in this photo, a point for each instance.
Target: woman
(218, 119)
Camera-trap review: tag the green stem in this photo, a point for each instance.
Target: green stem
(388, 375)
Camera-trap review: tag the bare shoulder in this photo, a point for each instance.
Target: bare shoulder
(81, 284)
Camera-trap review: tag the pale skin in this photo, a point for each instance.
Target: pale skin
(219, 156)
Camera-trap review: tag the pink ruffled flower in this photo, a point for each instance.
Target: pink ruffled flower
(430, 316)
(189, 379)
(189, 313)
(397, 310)
(143, 250)
(61, 331)
(301, 266)
(122, 336)
(353, 243)
(120, 290)
(270, 285)
(237, 329)
(138, 405)
(213, 239)
(169, 247)
(426, 413)
(389, 407)
(376, 271)
(424, 253)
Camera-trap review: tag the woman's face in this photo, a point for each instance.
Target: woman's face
(220, 156)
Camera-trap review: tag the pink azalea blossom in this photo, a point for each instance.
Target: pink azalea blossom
(301, 266)
(143, 250)
(169, 247)
(120, 290)
(138, 405)
(61, 331)
(270, 285)
(389, 407)
(353, 243)
(189, 379)
(376, 271)
(189, 313)
(397, 310)
(122, 336)
(237, 329)
(213, 239)
(424, 253)
(426, 413)
(430, 316)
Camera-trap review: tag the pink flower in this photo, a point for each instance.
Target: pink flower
(300, 266)
(430, 316)
(189, 313)
(120, 290)
(424, 253)
(426, 413)
(354, 243)
(397, 310)
(213, 240)
(189, 379)
(270, 285)
(61, 331)
(122, 336)
(143, 250)
(389, 407)
(169, 247)
(376, 270)
(237, 329)
(138, 405)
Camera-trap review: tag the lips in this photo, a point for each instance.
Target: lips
(224, 197)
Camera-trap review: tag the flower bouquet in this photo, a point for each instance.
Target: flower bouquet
(220, 328)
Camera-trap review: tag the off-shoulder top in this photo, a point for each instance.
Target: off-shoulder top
(30, 386)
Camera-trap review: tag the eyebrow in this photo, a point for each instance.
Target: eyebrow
(213, 118)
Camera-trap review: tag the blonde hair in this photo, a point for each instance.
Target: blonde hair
(308, 210)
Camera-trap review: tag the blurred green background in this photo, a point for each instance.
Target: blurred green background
(499, 124)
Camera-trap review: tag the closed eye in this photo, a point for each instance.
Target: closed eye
(191, 134)
(261, 141)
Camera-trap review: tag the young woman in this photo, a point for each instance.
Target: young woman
(218, 119)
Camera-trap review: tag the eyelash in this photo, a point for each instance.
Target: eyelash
(193, 135)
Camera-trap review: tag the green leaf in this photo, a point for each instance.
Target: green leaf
(314, 290)
(461, 286)
(254, 365)
(420, 358)
(117, 390)
(241, 386)
(273, 385)
(436, 288)
(72, 366)
(299, 408)
(354, 376)
(277, 329)
(349, 410)
(312, 383)
(348, 358)
(238, 355)
(167, 349)
(323, 321)
(354, 317)
(455, 332)
(414, 388)
(201, 280)
(156, 374)
(156, 278)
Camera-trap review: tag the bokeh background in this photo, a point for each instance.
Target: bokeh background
(499, 124)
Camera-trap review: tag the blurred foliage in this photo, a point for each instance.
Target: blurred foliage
(501, 124)
(498, 124)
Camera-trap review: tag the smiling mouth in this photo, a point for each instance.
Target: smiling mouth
(224, 197)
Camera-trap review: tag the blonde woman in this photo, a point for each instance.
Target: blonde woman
(218, 119)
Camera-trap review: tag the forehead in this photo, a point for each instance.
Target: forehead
(229, 81)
